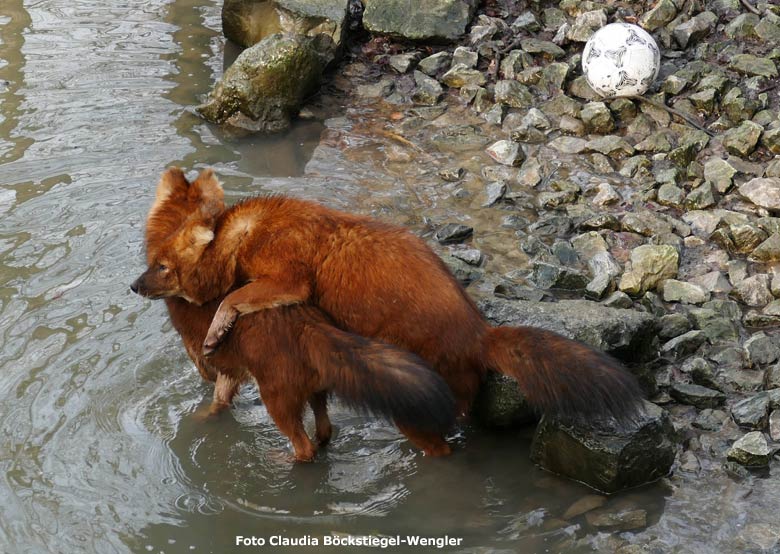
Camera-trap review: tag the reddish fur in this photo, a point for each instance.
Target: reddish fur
(294, 354)
(380, 281)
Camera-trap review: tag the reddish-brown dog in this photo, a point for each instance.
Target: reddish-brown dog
(379, 281)
(294, 353)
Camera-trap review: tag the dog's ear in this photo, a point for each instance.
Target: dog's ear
(171, 182)
(201, 236)
(208, 189)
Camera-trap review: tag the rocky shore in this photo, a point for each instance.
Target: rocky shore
(649, 228)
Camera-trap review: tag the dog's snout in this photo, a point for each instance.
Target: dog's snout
(134, 286)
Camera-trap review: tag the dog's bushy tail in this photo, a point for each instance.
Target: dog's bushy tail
(374, 377)
(560, 375)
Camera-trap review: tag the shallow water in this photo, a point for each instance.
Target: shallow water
(99, 451)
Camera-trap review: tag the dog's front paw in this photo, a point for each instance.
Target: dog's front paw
(219, 328)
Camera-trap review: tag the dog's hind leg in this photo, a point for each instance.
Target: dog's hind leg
(432, 444)
(319, 405)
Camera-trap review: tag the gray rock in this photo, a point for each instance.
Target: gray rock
(247, 22)
(586, 24)
(611, 145)
(606, 455)
(428, 91)
(267, 84)
(743, 26)
(751, 450)
(771, 140)
(435, 63)
(569, 145)
(685, 344)
(696, 395)
(452, 233)
(743, 139)
(553, 276)
(670, 195)
(713, 282)
(624, 333)
(650, 264)
(764, 192)
(471, 256)
(754, 291)
(494, 192)
(403, 62)
(710, 420)
(720, 173)
(500, 403)
(422, 20)
(701, 198)
(695, 29)
(463, 272)
(618, 300)
(752, 412)
(768, 251)
(460, 76)
(748, 64)
(762, 349)
(513, 94)
(597, 118)
(465, 56)
(452, 174)
(536, 46)
(680, 291)
(506, 152)
(662, 13)
(673, 325)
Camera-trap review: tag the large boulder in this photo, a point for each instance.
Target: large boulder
(626, 334)
(436, 20)
(607, 455)
(247, 22)
(266, 85)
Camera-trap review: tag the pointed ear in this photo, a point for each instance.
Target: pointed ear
(171, 181)
(208, 188)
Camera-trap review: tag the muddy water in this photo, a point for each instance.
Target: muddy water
(99, 451)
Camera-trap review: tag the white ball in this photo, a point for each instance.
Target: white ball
(621, 59)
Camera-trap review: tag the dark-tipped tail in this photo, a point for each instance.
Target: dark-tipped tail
(562, 376)
(381, 379)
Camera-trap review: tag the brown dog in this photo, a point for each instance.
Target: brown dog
(380, 281)
(294, 353)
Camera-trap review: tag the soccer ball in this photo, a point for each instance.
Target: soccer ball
(620, 59)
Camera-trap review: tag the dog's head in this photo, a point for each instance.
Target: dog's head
(179, 227)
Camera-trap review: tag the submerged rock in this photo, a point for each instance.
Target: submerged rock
(266, 85)
(607, 455)
(500, 403)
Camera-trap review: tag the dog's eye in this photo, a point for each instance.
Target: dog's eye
(162, 267)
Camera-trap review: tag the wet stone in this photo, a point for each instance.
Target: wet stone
(751, 450)
(421, 20)
(607, 456)
(461, 76)
(453, 233)
(617, 520)
(752, 412)
(611, 145)
(618, 300)
(452, 174)
(500, 403)
(696, 395)
(552, 276)
(428, 91)
(494, 192)
(774, 425)
(471, 256)
(435, 63)
(495, 114)
(680, 291)
(402, 63)
(506, 152)
(710, 420)
(569, 145)
(685, 344)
